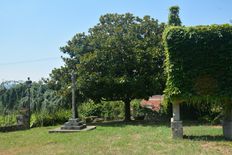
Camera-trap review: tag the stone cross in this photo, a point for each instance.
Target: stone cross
(73, 123)
(28, 113)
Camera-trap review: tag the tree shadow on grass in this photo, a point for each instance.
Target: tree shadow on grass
(166, 123)
(121, 123)
(215, 138)
(197, 123)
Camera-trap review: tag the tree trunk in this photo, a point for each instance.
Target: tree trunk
(127, 110)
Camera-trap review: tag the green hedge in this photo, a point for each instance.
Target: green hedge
(199, 63)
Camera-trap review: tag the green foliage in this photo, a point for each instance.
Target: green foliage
(60, 78)
(118, 57)
(125, 60)
(198, 63)
(10, 97)
(109, 110)
(137, 110)
(87, 109)
(173, 18)
(9, 119)
(112, 110)
(47, 119)
(126, 56)
(42, 98)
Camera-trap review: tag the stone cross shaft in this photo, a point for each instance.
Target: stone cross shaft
(74, 107)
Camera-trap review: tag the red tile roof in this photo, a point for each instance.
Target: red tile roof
(153, 103)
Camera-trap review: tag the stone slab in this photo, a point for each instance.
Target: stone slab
(73, 127)
(59, 130)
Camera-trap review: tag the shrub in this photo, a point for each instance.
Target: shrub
(89, 109)
(6, 120)
(47, 119)
(109, 110)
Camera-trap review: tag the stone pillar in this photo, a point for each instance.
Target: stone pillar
(28, 106)
(227, 126)
(74, 107)
(23, 119)
(176, 124)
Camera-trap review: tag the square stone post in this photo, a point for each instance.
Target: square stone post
(227, 125)
(176, 124)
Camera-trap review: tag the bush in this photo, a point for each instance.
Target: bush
(46, 119)
(6, 120)
(109, 110)
(113, 110)
(89, 109)
(138, 112)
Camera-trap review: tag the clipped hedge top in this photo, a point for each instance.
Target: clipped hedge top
(199, 63)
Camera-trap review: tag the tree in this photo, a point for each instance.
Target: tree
(124, 60)
(173, 18)
(60, 78)
(14, 97)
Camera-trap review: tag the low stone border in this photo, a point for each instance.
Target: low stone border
(12, 128)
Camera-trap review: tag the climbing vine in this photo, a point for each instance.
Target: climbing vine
(199, 63)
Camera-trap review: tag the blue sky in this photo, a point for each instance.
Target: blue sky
(31, 31)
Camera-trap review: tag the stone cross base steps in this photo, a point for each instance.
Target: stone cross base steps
(177, 129)
(73, 125)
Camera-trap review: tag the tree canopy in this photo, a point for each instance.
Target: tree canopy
(173, 18)
(121, 58)
(126, 60)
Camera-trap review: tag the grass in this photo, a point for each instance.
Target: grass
(117, 138)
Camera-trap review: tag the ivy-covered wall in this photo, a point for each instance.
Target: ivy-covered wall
(199, 63)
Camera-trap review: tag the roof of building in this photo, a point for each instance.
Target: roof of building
(153, 103)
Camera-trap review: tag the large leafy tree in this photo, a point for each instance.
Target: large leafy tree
(122, 59)
(60, 78)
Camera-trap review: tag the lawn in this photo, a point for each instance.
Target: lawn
(117, 138)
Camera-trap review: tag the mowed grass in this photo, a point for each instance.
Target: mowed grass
(116, 139)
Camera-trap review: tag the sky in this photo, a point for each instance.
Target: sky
(32, 31)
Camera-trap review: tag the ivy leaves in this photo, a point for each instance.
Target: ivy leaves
(198, 61)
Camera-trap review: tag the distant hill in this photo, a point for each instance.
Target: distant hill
(9, 84)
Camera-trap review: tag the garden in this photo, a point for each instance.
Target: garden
(107, 72)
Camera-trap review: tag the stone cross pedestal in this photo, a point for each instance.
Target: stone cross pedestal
(73, 124)
(176, 124)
